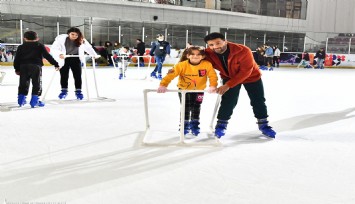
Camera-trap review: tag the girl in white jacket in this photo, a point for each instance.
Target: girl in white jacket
(72, 43)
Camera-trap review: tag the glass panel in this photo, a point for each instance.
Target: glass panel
(315, 41)
(239, 6)
(196, 35)
(294, 42)
(10, 28)
(234, 35)
(274, 38)
(253, 6)
(151, 31)
(338, 44)
(254, 39)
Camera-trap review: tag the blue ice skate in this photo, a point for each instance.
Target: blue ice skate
(194, 126)
(21, 100)
(153, 75)
(265, 128)
(63, 94)
(35, 102)
(220, 129)
(186, 127)
(79, 95)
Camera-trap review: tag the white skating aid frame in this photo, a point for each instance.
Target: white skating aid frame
(182, 117)
(83, 57)
(139, 67)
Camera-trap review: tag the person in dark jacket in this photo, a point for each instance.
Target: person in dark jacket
(140, 51)
(28, 64)
(320, 55)
(160, 49)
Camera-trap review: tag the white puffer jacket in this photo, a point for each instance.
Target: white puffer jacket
(58, 48)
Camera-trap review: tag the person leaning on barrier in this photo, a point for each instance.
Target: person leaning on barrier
(237, 67)
(72, 43)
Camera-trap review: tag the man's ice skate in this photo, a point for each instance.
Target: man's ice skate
(35, 102)
(220, 129)
(120, 77)
(21, 100)
(79, 95)
(159, 77)
(63, 94)
(265, 128)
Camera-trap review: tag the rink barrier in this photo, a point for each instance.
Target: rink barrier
(182, 118)
(139, 67)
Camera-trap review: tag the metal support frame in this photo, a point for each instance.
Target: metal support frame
(138, 60)
(182, 118)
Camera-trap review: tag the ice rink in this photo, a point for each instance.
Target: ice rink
(92, 152)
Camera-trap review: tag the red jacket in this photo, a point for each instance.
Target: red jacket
(242, 67)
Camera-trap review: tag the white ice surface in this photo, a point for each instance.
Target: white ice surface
(92, 153)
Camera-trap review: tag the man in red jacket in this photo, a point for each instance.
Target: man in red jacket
(237, 67)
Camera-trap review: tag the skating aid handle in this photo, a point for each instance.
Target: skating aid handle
(81, 55)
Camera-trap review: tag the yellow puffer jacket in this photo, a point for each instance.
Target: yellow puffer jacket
(191, 77)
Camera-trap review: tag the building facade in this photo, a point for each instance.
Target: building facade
(292, 25)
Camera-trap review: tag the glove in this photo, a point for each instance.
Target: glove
(212, 89)
(17, 72)
(162, 89)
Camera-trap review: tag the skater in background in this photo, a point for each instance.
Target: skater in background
(276, 58)
(123, 60)
(28, 64)
(305, 61)
(193, 74)
(160, 49)
(269, 55)
(72, 43)
(237, 67)
(140, 46)
(320, 55)
(109, 48)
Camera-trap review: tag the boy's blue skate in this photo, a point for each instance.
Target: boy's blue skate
(159, 77)
(35, 102)
(120, 77)
(21, 100)
(220, 129)
(79, 95)
(63, 94)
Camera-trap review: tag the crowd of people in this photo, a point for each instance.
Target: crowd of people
(234, 62)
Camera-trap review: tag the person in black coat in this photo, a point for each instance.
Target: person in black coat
(28, 64)
(140, 51)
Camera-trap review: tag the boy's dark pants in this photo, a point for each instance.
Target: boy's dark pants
(255, 91)
(30, 72)
(74, 64)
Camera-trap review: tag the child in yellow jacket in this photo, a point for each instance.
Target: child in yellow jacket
(193, 74)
